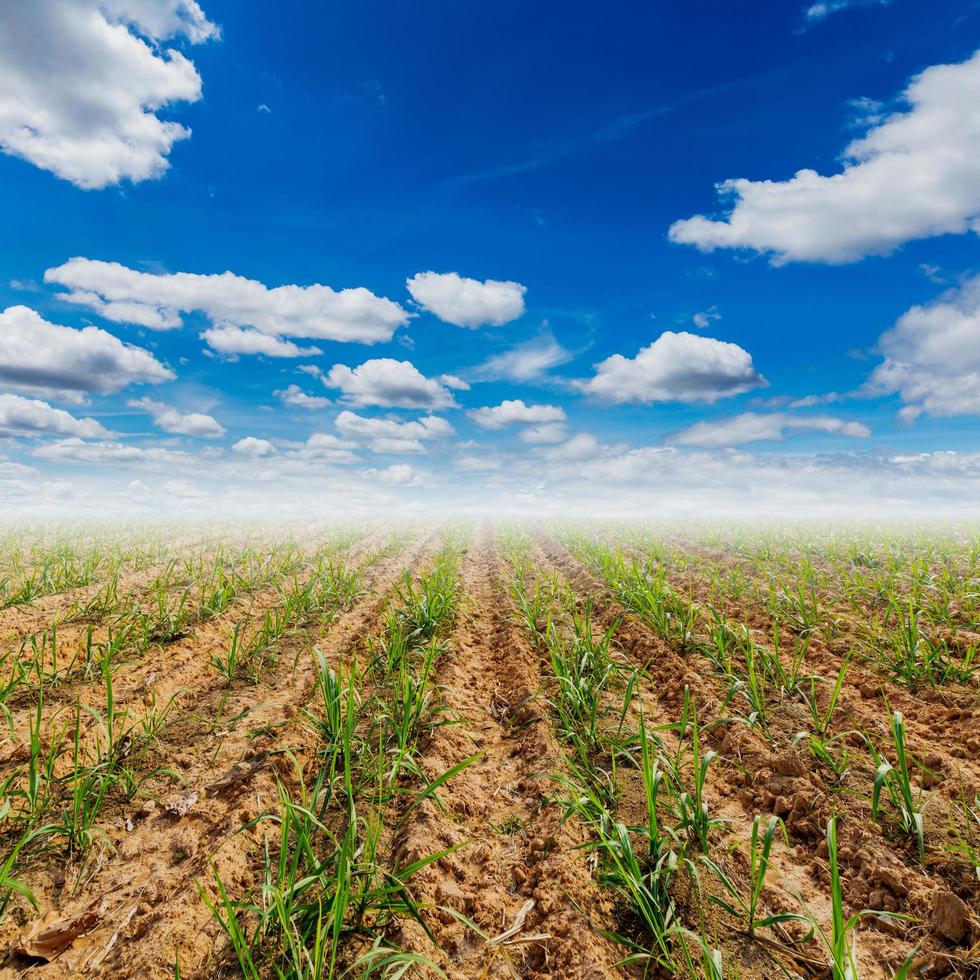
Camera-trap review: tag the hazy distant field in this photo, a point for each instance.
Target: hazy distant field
(483, 750)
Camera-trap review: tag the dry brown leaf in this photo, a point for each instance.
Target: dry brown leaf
(238, 773)
(53, 933)
(180, 806)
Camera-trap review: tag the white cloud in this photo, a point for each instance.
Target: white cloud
(297, 398)
(37, 356)
(580, 446)
(932, 356)
(467, 302)
(525, 362)
(81, 82)
(388, 383)
(824, 8)
(546, 434)
(756, 427)
(254, 448)
(916, 174)
(184, 490)
(400, 474)
(451, 381)
(232, 341)
(325, 447)
(75, 450)
(703, 319)
(31, 417)
(156, 300)
(676, 367)
(388, 436)
(514, 411)
(180, 423)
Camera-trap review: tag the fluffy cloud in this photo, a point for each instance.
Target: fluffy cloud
(525, 362)
(399, 474)
(31, 417)
(75, 450)
(467, 302)
(156, 300)
(325, 447)
(932, 356)
(179, 423)
(254, 448)
(515, 411)
(232, 341)
(388, 436)
(81, 82)
(580, 446)
(757, 426)
(547, 434)
(916, 174)
(676, 367)
(388, 383)
(297, 398)
(37, 356)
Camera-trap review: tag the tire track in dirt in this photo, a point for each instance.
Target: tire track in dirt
(154, 911)
(516, 865)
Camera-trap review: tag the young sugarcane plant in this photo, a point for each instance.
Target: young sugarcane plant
(760, 851)
(821, 716)
(897, 782)
(692, 805)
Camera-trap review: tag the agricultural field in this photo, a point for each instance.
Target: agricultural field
(490, 750)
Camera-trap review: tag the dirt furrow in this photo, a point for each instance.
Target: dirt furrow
(517, 876)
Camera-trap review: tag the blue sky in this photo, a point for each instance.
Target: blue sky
(808, 345)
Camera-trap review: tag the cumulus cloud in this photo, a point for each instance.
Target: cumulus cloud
(758, 426)
(389, 436)
(46, 358)
(231, 341)
(297, 398)
(179, 423)
(514, 411)
(157, 300)
(914, 174)
(388, 383)
(546, 434)
(32, 417)
(254, 448)
(326, 447)
(676, 367)
(399, 474)
(467, 302)
(76, 450)
(525, 362)
(580, 446)
(451, 381)
(81, 82)
(932, 356)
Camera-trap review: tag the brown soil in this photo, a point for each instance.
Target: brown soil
(518, 872)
